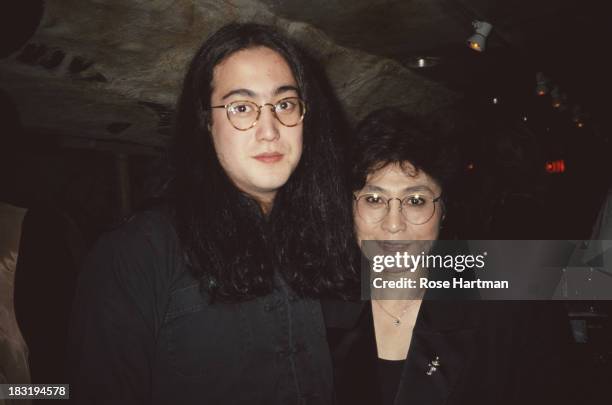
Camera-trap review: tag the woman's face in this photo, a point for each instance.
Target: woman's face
(401, 182)
(260, 160)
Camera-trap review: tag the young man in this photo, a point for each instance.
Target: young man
(213, 299)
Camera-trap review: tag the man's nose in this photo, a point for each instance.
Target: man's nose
(394, 221)
(267, 128)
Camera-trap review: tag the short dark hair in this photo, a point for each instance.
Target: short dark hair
(230, 245)
(389, 136)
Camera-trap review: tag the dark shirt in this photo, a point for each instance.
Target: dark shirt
(389, 375)
(143, 333)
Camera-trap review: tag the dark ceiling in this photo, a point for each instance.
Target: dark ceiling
(567, 40)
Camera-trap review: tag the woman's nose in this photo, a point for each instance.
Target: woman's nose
(394, 221)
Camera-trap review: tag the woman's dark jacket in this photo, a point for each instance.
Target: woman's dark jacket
(489, 353)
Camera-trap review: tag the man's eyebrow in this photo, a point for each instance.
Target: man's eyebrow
(286, 88)
(239, 92)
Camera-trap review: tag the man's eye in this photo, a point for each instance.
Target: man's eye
(243, 108)
(285, 106)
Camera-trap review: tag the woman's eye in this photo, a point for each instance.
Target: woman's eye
(415, 200)
(374, 200)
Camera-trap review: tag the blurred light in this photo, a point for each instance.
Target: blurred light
(555, 166)
(555, 95)
(422, 62)
(470, 166)
(541, 84)
(524, 118)
(495, 100)
(577, 116)
(478, 41)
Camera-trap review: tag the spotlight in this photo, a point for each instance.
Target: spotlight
(478, 40)
(541, 84)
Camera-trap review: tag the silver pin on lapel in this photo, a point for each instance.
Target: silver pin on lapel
(433, 366)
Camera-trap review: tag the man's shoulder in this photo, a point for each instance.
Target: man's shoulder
(143, 248)
(151, 225)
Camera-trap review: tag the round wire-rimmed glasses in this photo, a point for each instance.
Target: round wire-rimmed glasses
(416, 208)
(244, 114)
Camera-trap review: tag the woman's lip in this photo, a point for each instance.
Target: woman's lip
(393, 247)
(269, 157)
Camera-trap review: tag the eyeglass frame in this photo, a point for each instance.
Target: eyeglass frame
(434, 201)
(259, 107)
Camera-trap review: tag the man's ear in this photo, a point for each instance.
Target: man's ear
(208, 118)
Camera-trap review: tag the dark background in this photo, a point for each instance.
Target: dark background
(75, 190)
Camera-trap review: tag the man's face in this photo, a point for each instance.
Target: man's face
(259, 160)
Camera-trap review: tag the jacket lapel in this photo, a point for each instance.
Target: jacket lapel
(443, 343)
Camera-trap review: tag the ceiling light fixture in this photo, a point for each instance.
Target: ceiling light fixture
(555, 95)
(541, 84)
(478, 41)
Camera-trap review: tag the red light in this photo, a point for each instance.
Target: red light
(555, 166)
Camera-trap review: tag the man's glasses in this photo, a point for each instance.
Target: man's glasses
(417, 208)
(244, 115)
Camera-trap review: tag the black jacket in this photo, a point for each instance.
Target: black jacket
(489, 353)
(143, 333)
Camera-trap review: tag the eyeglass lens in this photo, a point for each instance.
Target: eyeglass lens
(416, 209)
(244, 114)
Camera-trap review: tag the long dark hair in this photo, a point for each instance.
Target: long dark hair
(231, 246)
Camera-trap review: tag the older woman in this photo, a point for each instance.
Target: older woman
(413, 348)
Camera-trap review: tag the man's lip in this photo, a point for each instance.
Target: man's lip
(269, 157)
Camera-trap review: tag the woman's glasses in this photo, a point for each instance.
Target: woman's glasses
(417, 208)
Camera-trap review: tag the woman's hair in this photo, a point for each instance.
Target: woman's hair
(230, 245)
(388, 136)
